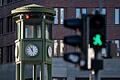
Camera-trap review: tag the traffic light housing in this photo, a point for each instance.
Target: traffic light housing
(73, 57)
(97, 37)
(78, 40)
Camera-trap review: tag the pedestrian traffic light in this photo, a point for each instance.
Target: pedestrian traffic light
(97, 31)
(78, 40)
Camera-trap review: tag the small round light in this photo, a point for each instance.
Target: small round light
(27, 16)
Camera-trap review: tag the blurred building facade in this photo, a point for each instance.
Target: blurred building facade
(64, 9)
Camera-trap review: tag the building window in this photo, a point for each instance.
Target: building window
(117, 42)
(59, 17)
(10, 54)
(10, 24)
(55, 47)
(103, 10)
(59, 78)
(104, 52)
(5, 2)
(58, 48)
(61, 47)
(80, 11)
(1, 26)
(117, 17)
(56, 16)
(1, 55)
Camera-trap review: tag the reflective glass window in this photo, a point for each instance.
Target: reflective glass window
(29, 31)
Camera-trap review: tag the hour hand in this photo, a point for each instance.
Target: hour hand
(31, 49)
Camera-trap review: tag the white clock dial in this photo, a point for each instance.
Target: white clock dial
(50, 51)
(31, 50)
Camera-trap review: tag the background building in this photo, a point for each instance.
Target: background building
(64, 9)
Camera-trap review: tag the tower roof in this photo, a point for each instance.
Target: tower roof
(33, 8)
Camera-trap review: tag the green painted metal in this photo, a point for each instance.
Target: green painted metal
(47, 43)
(17, 71)
(49, 72)
(22, 71)
(42, 43)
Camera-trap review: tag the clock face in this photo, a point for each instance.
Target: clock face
(50, 51)
(31, 50)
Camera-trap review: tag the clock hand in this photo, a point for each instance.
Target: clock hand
(31, 49)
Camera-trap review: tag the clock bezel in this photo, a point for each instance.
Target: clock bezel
(27, 53)
(48, 51)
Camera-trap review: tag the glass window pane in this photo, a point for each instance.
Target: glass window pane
(116, 16)
(117, 43)
(56, 16)
(78, 13)
(61, 15)
(47, 36)
(104, 52)
(84, 11)
(39, 35)
(61, 47)
(103, 11)
(29, 31)
(55, 47)
(48, 31)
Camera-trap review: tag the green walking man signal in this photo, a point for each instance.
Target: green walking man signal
(97, 36)
(97, 40)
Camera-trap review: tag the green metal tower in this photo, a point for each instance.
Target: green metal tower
(34, 43)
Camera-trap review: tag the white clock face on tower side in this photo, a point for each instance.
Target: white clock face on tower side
(50, 51)
(31, 50)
